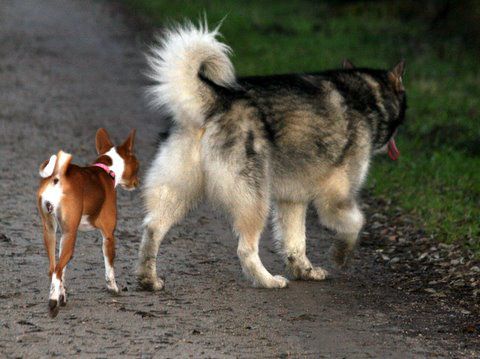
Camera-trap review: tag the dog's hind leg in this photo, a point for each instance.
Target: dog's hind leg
(49, 239)
(63, 290)
(172, 187)
(57, 288)
(290, 235)
(171, 208)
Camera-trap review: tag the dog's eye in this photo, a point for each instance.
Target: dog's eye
(55, 180)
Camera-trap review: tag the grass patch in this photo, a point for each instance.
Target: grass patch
(437, 178)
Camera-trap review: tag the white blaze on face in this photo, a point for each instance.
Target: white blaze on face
(118, 165)
(47, 171)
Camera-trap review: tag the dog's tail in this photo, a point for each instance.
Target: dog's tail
(189, 66)
(55, 165)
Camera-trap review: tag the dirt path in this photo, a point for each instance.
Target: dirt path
(69, 67)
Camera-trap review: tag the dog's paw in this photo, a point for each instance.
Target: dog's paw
(303, 270)
(150, 284)
(53, 308)
(273, 282)
(340, 255)
(313, 273)
(63, 300)
(112, 288)
(279, 282)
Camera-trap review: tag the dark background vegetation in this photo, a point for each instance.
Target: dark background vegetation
(437, 179)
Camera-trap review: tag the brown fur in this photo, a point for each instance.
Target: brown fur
(86, 191)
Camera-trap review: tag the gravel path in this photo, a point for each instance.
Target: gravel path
(69, 67)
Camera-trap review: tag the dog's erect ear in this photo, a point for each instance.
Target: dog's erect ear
(347, 64)
(399, 69)
(102, 141)
(395, 76)
(129, 142)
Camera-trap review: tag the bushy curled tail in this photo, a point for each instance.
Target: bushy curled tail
(55, 165)
(182, 56)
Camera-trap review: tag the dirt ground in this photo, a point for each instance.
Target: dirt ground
(69, 67)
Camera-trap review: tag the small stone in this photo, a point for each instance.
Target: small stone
(422, 256)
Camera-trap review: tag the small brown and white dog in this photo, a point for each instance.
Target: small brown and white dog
(83, 198)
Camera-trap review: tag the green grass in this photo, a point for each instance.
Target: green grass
(437, 178)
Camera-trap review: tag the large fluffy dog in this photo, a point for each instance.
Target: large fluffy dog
(252, 143)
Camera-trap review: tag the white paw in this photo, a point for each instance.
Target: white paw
(112, 287)
(273, 282)
(315, 273)
(279, 282)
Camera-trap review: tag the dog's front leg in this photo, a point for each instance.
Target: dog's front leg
(249, 222)
(290, 235)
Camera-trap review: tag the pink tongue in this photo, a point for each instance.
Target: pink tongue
(393, 151)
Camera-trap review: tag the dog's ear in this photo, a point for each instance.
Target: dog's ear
(395, 76)
(347, 64)
(102, 141)
(129, 142)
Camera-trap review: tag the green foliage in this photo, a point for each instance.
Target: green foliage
(438, 175)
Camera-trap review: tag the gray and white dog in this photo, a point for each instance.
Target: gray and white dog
(249, 144)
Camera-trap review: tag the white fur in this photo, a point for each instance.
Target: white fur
(55, 289)
(363, 173)
(53, 193)
(48, 170)
(109, 272)
(85, 224)
(63, 157)
(289, 231)
(174, 184)
(253, 267)
(118, 165)
(174, 66)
